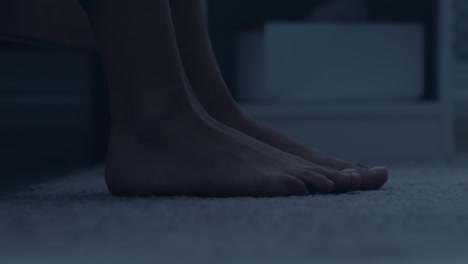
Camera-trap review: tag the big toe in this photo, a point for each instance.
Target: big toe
(374, 178)
(371, 178)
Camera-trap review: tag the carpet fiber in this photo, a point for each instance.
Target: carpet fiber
(420, 216)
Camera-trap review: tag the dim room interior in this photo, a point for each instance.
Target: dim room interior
(383, 82)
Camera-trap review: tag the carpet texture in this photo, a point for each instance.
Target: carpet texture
(421, 216)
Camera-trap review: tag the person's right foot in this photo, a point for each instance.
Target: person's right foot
(206, 79)
(192, 158)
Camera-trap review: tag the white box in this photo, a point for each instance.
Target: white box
(331, 61)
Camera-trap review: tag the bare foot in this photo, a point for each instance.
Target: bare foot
(372, 178)
(208, 84)
(191, 158)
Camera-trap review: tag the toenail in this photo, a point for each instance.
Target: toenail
(355, 174)
(346, 173)
(379, 169)
(349, 170)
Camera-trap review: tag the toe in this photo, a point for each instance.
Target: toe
(287, 185)
(374, 178)
(355, 178)
(345, 180)
(316, 182)
(371, 179)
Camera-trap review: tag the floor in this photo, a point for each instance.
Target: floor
(420, 216)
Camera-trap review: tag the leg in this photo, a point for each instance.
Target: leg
(161, 142)
(205, 78)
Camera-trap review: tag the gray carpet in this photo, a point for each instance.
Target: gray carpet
(421, 216)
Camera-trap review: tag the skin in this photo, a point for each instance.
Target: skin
(162, 141)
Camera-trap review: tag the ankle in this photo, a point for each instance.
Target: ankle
(220, 106)
(146, 130)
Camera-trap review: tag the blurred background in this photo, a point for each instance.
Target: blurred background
(379, 81)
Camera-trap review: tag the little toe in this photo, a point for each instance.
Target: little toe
(292, 186)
